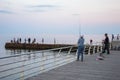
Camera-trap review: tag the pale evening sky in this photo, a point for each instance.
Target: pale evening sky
(59, 16)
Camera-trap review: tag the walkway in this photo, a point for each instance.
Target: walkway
(90, 69)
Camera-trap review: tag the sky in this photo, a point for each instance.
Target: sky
(64, 17)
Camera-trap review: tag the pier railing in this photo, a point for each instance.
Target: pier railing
(22, 66)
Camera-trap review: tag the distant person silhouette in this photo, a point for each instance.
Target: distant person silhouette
(20, 40)
(91, 41)
(29, 40)
(106, 44)
(34, 40)
(80, 48)
(117, 36)
(42, 40)
(112, 37)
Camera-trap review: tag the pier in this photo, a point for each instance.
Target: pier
(60, 64)
(90, 69)
(115, 45)
(34, 46)
(25, 65)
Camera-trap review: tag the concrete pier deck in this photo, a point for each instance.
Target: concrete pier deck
(89, 69)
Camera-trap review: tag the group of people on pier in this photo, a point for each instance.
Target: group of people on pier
(19, 40)
(29, 41)
(106, 45)
(117, 37)
(81, 40)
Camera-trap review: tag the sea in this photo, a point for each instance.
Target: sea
(48, 39)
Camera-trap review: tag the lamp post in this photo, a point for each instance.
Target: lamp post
(79, 26)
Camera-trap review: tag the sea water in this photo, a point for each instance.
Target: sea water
(48, 39)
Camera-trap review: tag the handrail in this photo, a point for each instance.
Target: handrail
(35, 52)
(24, 66)
(41, 60)
(30, 54)
(58, 59)
(70, 50)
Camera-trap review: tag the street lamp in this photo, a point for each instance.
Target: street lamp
(78, 23)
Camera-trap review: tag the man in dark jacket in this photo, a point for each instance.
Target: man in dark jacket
(106, 43)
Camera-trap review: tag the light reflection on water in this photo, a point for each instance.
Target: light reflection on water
(33, 64)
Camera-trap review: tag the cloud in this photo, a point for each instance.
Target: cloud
(41, 8)
(5, 12)
(32, 10)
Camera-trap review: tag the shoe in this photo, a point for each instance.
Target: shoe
(81, 60)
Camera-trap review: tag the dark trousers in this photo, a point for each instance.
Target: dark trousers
(80, 52)
(106, 48)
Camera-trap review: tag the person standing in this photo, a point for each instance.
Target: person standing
(112, 37)
(106, 44)
(117, 36)
(34, 40)
(29, 40)
(91, 41)
(42, 40)
(80, 48)
(20, 40)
